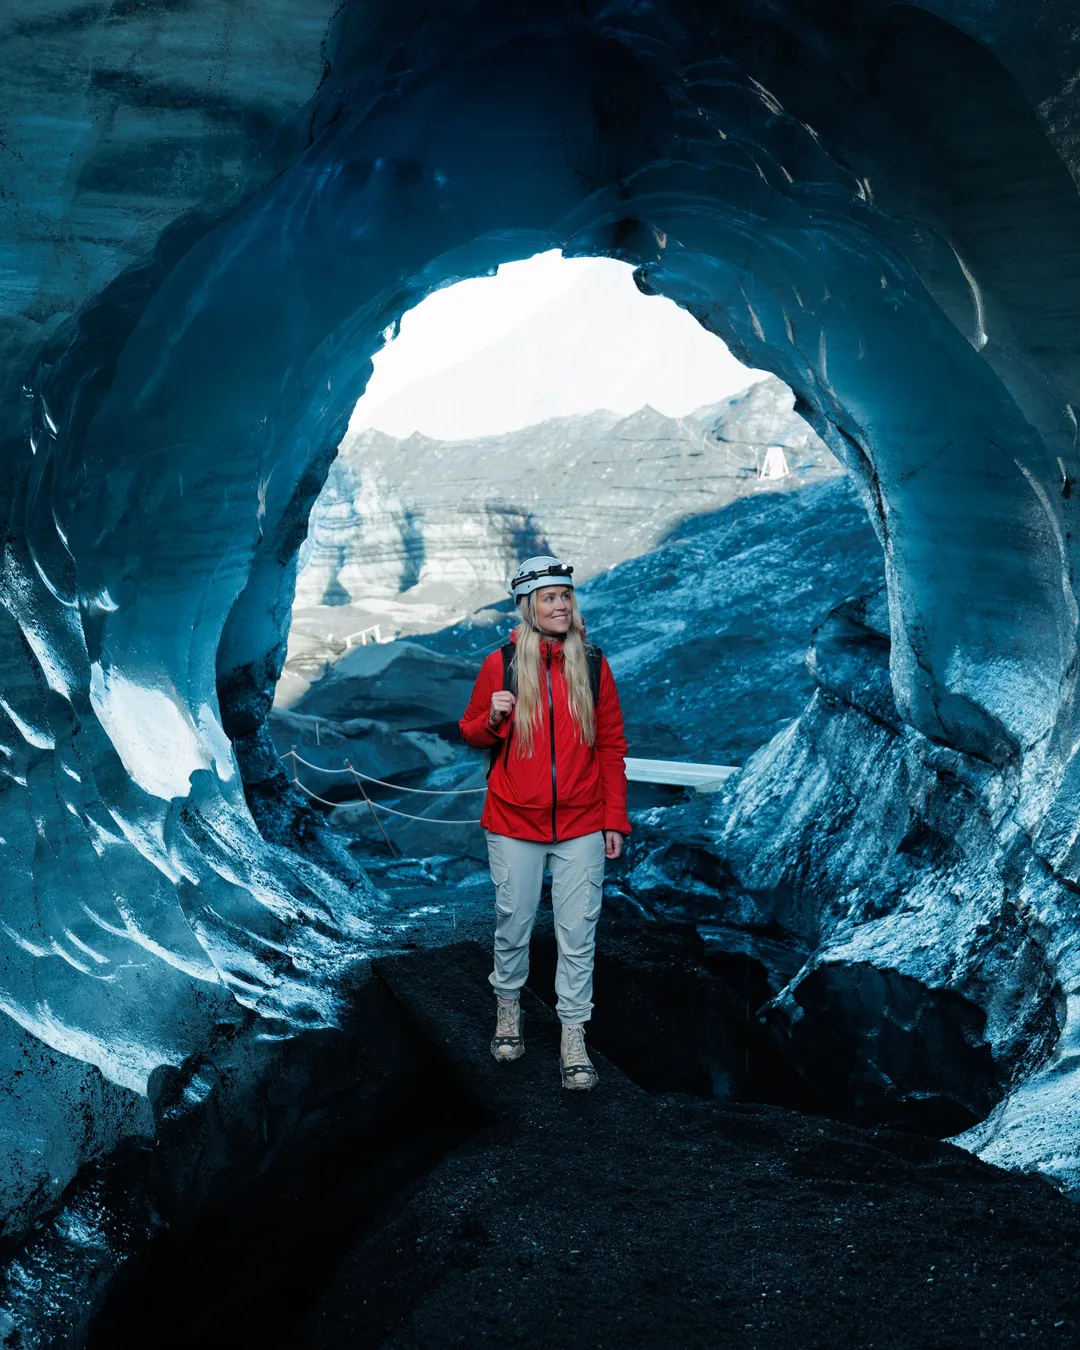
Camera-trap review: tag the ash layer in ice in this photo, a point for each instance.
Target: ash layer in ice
(212, 215)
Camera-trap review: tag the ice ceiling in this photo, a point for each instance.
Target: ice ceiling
(211, 214)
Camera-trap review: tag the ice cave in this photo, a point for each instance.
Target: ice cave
(212, 217)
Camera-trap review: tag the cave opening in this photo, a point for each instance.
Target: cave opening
(655, 481)
(512, 414)
(550, 407)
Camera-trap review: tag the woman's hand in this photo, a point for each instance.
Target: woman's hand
(613, 842)
(502, 705)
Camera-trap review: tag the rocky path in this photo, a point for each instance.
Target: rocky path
(626, 1219)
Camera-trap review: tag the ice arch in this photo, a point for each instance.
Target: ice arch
(845, 196)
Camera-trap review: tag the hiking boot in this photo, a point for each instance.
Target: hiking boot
(577, 1068)
(508, 1042)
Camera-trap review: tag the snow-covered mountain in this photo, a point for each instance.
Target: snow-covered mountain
(413, 535)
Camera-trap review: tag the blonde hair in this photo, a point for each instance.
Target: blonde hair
(531, 683)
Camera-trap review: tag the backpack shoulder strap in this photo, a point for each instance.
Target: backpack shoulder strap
(509, 665)
(508, 652)
(595, 658)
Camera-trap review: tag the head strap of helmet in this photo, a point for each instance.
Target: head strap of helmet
(555, 570)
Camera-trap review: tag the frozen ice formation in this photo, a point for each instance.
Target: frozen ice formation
(211, 216)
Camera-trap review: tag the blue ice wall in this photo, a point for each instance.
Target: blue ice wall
(871, 203)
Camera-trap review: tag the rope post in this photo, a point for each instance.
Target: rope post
(371, 808)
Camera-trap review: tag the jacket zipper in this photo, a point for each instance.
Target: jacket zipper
(551, 727)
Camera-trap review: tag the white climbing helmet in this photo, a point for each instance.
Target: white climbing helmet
(543, 570)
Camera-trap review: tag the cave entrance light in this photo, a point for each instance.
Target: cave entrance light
(544, 400)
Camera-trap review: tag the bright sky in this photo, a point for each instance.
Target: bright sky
(546, 337)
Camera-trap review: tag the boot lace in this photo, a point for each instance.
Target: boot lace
(507, 1018)
(574, 1052)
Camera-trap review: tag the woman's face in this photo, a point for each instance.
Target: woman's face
(554, 606)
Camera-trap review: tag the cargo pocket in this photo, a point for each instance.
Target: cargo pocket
(500, 879)
(594, 875)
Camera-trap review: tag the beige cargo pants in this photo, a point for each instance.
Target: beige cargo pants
(577, 886)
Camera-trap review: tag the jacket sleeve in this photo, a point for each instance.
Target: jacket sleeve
(474, 725)
(611, 751)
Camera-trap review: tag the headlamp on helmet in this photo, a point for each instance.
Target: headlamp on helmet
(535, 573)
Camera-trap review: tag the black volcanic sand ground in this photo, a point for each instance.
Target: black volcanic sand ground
(620, 1218)
(445, 1200)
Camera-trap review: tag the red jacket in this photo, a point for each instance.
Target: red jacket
(584, 791)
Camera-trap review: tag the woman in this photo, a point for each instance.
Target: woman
(548, 712)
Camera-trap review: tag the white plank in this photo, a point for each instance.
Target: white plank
(677, 773)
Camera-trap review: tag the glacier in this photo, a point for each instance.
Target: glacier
(213, 216)
(416, 534)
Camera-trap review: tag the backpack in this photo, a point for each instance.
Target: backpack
(594, 658)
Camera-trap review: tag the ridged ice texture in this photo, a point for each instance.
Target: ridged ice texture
(862, 199)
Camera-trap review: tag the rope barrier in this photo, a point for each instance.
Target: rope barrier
(382, 830)
(427, 820)
(315, 796)
(486, 650)
(422, 792)
(378, 806)
(398, 787)
(308, 765)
